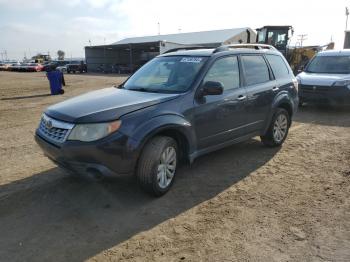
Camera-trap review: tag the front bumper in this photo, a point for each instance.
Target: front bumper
(325, 94)
(110, 156)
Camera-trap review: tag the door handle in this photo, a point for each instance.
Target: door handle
(241, 98)
(275, 89)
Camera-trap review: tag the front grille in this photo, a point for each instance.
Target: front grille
(54, 130)
(314, 88)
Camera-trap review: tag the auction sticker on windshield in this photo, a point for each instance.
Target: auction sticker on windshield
(191, 60)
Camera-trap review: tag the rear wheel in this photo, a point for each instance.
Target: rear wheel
(278, 129)
(157, 165)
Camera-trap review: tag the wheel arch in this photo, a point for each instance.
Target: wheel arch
(173, 126)
(281, 101)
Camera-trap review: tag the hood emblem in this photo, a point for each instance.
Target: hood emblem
(48, 124)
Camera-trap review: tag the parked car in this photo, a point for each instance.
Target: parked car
(76, 67)
(326, 79)
(3, 67)
(47, 66)
(57, 63)
(30, 67)
(14, 67)
(63, 69)
(178, 106)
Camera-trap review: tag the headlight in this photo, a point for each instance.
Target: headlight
(342, 83)
(92, 132)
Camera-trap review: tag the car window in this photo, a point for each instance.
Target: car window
(226, 71)
(279, 68)
(255, 69)
(277, 38)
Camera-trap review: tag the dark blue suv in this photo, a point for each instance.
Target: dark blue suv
(178, 106)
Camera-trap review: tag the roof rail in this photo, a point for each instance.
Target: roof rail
(184, 48)
(251, 46)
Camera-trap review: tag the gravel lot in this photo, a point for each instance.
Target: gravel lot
(243, 203)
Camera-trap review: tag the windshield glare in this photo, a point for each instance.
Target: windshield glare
(172, 74)
(329, 65)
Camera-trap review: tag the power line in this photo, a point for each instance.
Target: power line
(302, 38)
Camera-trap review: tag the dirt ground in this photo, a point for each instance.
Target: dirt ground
(243, 203)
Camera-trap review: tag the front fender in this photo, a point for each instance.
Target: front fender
(151, 127)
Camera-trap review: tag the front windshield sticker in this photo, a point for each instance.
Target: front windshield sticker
(191, 60)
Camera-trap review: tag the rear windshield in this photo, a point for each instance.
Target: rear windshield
(329, 65)
(172, 74)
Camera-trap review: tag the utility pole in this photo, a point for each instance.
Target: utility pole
(347, 16)
(302, 38)
(158, 28)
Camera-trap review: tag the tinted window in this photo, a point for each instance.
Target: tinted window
(278, 66)
(225, 71)
(255, 69)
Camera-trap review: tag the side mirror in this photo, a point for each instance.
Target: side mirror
(212, 88)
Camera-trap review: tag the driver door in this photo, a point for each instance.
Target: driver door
(220, 118)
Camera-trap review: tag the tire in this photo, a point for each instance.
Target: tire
(278, 129)
(153, 171)
(68, 71)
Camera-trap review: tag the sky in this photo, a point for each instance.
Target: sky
(28, 27)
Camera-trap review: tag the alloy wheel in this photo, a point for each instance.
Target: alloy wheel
(166, 168)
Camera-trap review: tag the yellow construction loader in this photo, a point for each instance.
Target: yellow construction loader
(279, 37)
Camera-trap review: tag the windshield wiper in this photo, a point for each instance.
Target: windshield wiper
(120, 86)
(142, 89)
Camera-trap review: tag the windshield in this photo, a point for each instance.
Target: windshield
(329, 65)
(172, 74)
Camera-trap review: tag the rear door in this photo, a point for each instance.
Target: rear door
(283, 74)
(260, 86)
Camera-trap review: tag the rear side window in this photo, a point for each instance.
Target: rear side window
(255, 69)
(226, 71)
(279, 68)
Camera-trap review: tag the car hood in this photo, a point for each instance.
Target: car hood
(320, 79)
(104, 105)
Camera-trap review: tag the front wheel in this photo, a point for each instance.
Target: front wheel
(157, 165)
(278, 129)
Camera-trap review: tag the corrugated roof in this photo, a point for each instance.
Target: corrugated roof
(204, 37)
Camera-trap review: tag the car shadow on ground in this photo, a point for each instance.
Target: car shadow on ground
(69, 219)
(324, 115)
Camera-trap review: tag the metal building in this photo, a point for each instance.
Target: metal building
(129, 54)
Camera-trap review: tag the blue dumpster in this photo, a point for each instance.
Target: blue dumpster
(55, 78)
